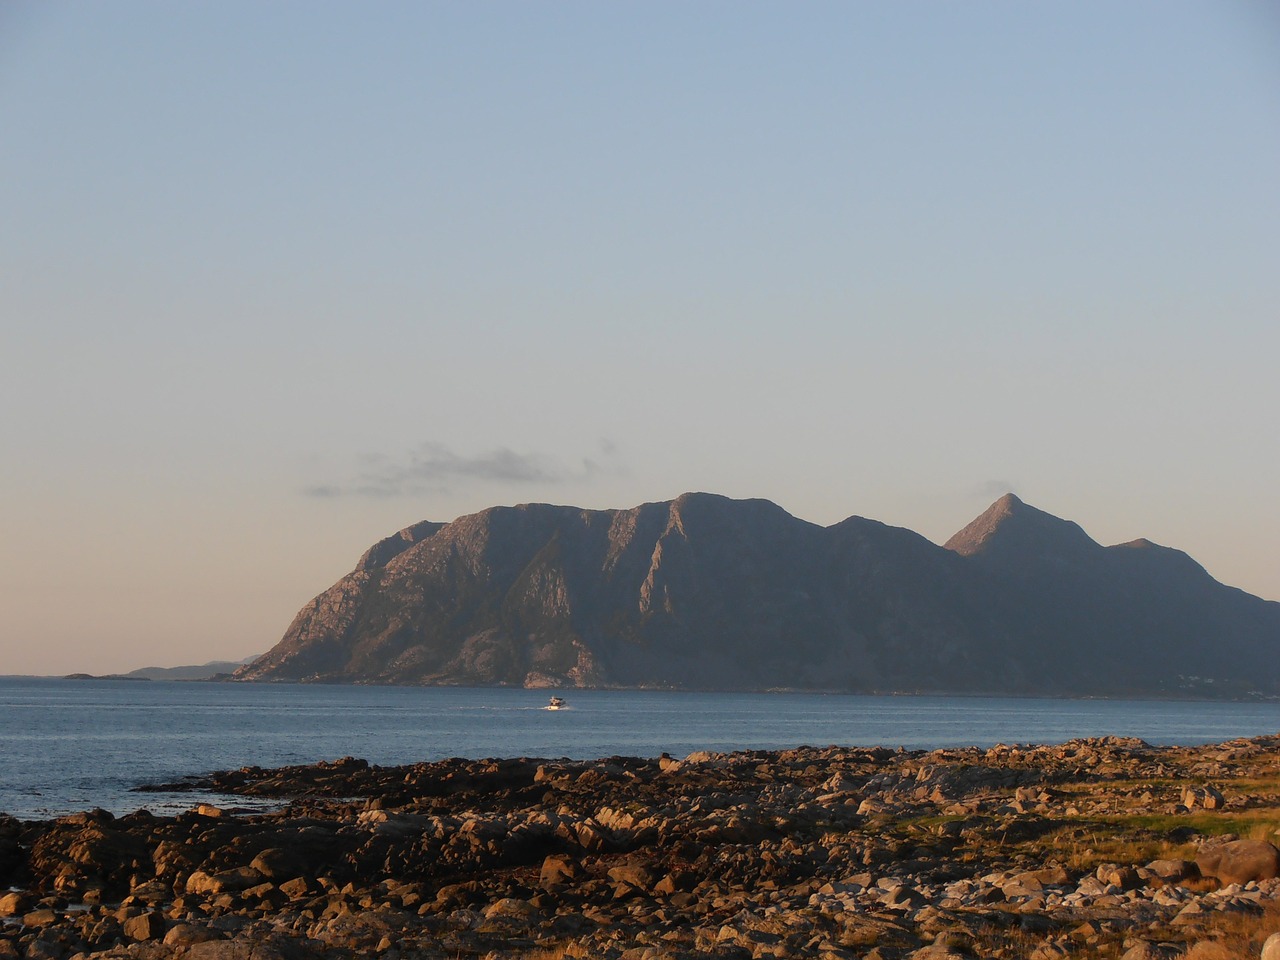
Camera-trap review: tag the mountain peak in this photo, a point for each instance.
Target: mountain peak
(706, 592)
(1008, 503)
(1014, 529)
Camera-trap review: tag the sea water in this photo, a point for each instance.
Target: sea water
(69, 745)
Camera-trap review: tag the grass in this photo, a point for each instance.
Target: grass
(1084, 842)
(1228, 936)
(1235, 936)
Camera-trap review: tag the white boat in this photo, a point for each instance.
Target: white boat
(556, 704)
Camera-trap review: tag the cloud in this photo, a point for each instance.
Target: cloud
(323, 490)
(990, 489)
(433, 467)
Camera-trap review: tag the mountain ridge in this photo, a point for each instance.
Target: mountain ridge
(712, 593)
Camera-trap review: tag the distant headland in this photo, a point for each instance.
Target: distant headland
(213, 670)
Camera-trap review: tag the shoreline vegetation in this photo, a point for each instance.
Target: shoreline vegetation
(1099, 847)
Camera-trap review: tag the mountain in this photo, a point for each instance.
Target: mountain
(205, 671)
(704, 592)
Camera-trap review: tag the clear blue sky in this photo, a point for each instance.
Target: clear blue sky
(279, 279)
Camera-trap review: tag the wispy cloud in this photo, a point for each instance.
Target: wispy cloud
(994, 488)
(433, 467)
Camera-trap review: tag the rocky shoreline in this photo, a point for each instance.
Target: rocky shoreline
(1102, 847)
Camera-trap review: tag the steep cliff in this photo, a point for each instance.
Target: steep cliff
(704, 592)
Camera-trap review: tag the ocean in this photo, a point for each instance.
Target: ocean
(71, 745)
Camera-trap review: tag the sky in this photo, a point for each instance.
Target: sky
(277, 280)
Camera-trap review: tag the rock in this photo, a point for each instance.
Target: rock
(277, 864)
(296, 888)
(559, 870)
(44, 949)
(186, 934)
(904, 898)
(236, 879)
(936, 952)
(512, 907)
(1173, 871)
(638, 874)
(737, 857)
(1208, 950)
(593, 836)
(675, 882)
(701, 756)
(1205, 797)
(1145, 950)
(1239, 861)
(1271, 949)
(840, 782)
(233, 950)
(15, 904)
(1053, 876)
(145, 926)
(1124, 877)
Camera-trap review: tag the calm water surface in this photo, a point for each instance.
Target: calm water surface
(71, 745)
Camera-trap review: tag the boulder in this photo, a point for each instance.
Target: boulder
(45, 948)
(559, 870)
(277, 864)
(936, 951)
(512, 907)
(145, 926)
(1124, 877)
(235, 879)
(1046, 876)
(840, 782)
(296, 888)
(186, 934)
(1239, 861)
(15, 904)
(904, 898)
(1206, 797)
(636, 873)
(1146, 950)
(1173, 871)
(1271, 949)
(701, 756)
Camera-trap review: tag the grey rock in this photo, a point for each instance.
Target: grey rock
(1172, 871)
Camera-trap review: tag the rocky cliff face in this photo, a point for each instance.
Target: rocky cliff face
(704, 592)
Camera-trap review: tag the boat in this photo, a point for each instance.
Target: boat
(556, 703)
